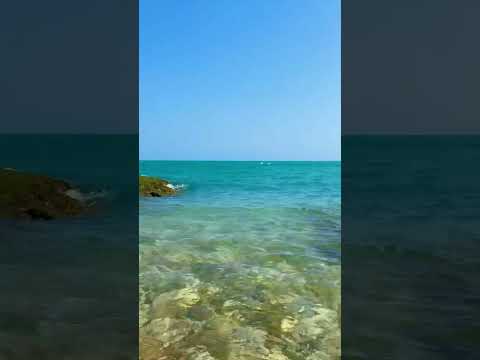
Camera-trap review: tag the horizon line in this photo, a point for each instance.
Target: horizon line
(242, 160)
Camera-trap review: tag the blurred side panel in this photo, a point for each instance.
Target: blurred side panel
(69, 180)
(410, 180)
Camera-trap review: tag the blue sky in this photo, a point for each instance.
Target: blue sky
(240, 80)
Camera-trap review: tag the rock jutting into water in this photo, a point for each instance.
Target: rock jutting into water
(33, 196)
(154, 187)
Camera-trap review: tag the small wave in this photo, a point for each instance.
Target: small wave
(86, 197)
(177, 187)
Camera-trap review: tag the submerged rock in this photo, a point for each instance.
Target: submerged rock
(33, 196)
(276, 354)
(174, 302)
(248, 343)
(152, 349)
(170, 331)
(154, 187)
(198, 353)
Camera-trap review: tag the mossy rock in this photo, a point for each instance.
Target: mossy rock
(154, 187)
(33, 196)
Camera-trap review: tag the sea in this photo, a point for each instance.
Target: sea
(243, 263)
(248, 260)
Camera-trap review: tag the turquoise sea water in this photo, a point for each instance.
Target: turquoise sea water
(243, 264)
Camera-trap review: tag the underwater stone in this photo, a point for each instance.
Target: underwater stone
(186, 297)
(144, 308)
(318, 355)
(199, 353)
(173, 302)
(276, 354)
(152, 349)
(288, 324)
(200, 312)
(169, 331)
(310, 328)
(248, 344)
(164, 305)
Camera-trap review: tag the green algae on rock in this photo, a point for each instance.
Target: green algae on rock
(34, 196)
(155, 187)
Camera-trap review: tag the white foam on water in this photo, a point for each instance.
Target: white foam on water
(177, 187)
(85, 197)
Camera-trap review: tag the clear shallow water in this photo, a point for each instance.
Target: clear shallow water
(244, 264)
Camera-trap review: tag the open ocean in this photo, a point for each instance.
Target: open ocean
(244, 263)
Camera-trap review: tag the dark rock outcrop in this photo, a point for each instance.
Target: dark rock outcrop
(33, 196)
(154, 187)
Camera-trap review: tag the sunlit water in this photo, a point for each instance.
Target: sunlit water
(243, 264)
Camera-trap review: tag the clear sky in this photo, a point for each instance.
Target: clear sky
(240, 80)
